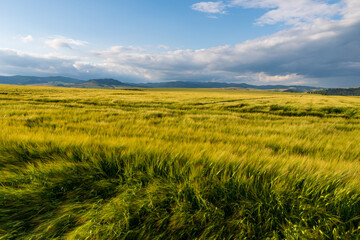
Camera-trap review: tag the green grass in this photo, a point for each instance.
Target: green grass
(178, 164)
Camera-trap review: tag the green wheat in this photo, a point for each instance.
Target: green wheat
(178, 164)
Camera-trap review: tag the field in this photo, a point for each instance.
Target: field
(178, 164)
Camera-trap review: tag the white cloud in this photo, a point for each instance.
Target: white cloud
(62, 42)
(324, 52)
(209, 7)
(290, 11)
(287, 11)
(16, 62)
(116, 51)
(125, 49)
(27, 39)
(351, 11)
(265, 78)
(164, 47)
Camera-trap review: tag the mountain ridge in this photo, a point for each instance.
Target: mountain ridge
(32, 80)
(60, 81)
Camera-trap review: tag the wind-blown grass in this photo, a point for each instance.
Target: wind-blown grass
(178, 164)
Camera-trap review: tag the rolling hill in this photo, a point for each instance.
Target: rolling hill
(60, 81)
(31, 80)
(103, 83)
(340, 91)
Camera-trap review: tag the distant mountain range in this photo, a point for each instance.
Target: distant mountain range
(183, 84)
(102, 83)
(61, 81)
(29, 80)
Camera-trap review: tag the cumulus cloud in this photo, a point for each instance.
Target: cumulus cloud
(117, 50)
(16, 62)
(63, 42)
(291, 12)
(209, 7)
(287, 11)
(27, 39)
(164, 47)
(263, 77)
(323, 52)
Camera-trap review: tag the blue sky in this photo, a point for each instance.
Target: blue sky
(312, 42)
(132, 22)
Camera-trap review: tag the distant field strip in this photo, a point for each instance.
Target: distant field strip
(178, 164)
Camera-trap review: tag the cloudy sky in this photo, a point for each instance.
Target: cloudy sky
(307, 42)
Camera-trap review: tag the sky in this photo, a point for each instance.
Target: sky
(298, 42)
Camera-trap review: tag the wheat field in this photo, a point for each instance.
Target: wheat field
(178, 164)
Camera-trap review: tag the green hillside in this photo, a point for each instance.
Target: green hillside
(339, 91)
(178, 164)
(102, 83)
(31, 80)
(110, 83)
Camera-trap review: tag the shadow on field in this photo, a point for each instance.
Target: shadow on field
(97, 192)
